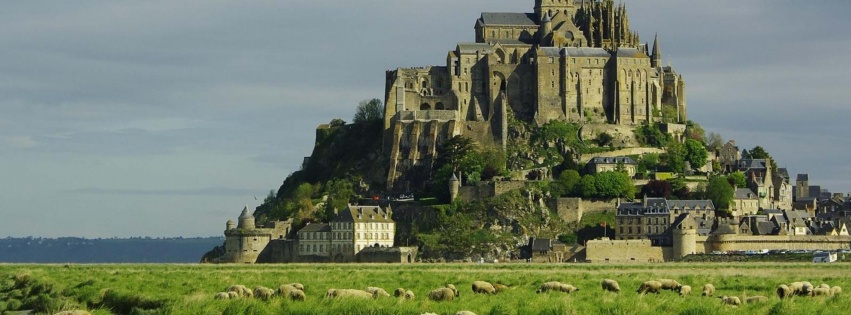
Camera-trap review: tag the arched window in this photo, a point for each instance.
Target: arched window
(439, 106)
(425, 106)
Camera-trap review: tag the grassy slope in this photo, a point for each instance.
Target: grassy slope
(188, 289)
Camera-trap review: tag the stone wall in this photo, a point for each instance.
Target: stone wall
(388, 255)
(282, 251)
(488, 189)
(625, 251)
(787, 242)
(572, 209)
(623, 152)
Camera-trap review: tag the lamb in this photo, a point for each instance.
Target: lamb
(297, 285)
(557, 286)
(347, 293)
(756, 299)
(797, 288)
(465, 313)
(240, 290)
(74, 312)
(222, 296)
(708, 289)
(824, 285)
(409, 295)
(500, 287)
(807, 289)
(233, 294)
(669, 284)
(784, 291)
(263, 293)
(377, 292)
(649, 287)
(452, 287)
(441, 294)
(835, 290)
(731, 300)
(483, 287)
(685, 290)
(289, 291)
(610, 285)
(820, 292)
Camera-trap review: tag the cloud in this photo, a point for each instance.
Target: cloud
(19, 142)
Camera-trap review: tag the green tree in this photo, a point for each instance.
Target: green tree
(695, 131)
(714, 141)
(369, 111)
(737, 179)
(647, 162)
(651, 135)
(720, 192)
(675, 156)
(340, 194)
(759, 152)
(567, 183)
(696, 154)
(588, 186)
(614, 184)
(604, 139)
(453, 151)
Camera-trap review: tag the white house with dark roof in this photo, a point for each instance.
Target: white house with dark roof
(352, 230)
(609, 164)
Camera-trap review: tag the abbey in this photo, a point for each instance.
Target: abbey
(570, 60)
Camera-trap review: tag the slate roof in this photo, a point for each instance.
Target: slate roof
(690, 204)
(544, 244)
(367, 214)
(745, 193)
(472, 48)
(586, 52)
(803, 177)
(316, 227)
(748, 164)
(782, 172)
(765, 228)
(613, 160)
(631, 53)
(550, 52)
(503, 18)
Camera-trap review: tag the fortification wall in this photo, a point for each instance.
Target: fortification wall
(623, 152)
(572, 209)
(625, 251)
(282, 251)
(397, 255)
(787, 242)
(488, 189)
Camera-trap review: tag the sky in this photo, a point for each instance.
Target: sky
(165, 118)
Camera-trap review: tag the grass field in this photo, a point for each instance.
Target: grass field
(189, 289)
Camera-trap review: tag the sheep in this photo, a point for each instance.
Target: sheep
(240, 290)
(556, 286)
(222, 296)
(483, 287)
(289, 291)
(756, 299)
(399, 292)
(835, 290)
(824, 285)
(409, 295)
(465, 313)
(820, 292)
(610, 285)
(347, 293)
(669, 284)
(297, 285)
(731, 300)
(807, 289)
(685, 290)
(797, 288)
(232, 294)
(74, 312)
(452, 287)
(708, 289)
(441, 294)
(263, 293)
(649, 287)
(500, 287)
(377, 292)
(785, 291)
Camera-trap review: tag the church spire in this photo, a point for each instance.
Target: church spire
(657, 53)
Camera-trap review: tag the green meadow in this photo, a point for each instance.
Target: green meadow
(189, 289)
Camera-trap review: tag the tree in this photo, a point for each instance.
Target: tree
(695, 131)
(695, 153)
(647, 162)
(337, 122)
(759, 153)
(658, 189)
(674, 157)
(651, 135)
(567, 183)
(720, 192)
(714, 141)
(453, 151)
(340, 194)
(604, 139)
(588, 186)
(737, 179)
(369, 111)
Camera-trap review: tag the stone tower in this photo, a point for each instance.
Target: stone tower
(545, 31)
(685, 238)
(230, 225)
(246, 220)
(559, 10)
(454, 187)
(656, 55)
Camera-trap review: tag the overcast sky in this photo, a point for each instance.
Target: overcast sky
(165, 118)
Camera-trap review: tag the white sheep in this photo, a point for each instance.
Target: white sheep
(441, 294)
(348, 293)
(556, 286)
(377, 292)
(232, 294)
(297, 285)
(820, 292)
(708, 289)
(784, 291)
(483, 287)
(409, 295)
(756, 299)
(500, 287)
(649, 287)
(731, 300)
(222, 296)
(610, 285)
(263, 293)
(288, 291)
(452, 287)
(240, 290)
(824, 285)
(669, 284)
(835, 290)
(685, 290)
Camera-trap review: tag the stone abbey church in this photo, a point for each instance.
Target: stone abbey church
(570, 60)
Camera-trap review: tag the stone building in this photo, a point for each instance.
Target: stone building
(352, 230)
(569, 60)
(653, 218)
(745, 202)
(758, 174)
(610, 164)
(247, 243)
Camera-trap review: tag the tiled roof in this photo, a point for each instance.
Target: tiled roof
(364, 214)
(500, 18)
(316, 227)
(612, 160)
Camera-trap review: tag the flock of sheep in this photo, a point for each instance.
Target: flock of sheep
(295, 291)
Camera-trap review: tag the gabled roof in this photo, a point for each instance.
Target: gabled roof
(613, 160)
(745, 194)
(765, 228)
(507, 18)
(544, 244)
(803, 177)
(472, 48)
(690, 204)
(755, 164)
(316, 227)
(630, 53)
(782, 172)
(586, 52)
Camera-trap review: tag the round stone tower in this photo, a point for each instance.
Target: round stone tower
(246, 220)
(685, 240)
(230, 225)
(454, 187)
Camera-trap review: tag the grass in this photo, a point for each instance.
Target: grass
(189, 289)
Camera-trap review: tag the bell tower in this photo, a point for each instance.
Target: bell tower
(559, 10)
